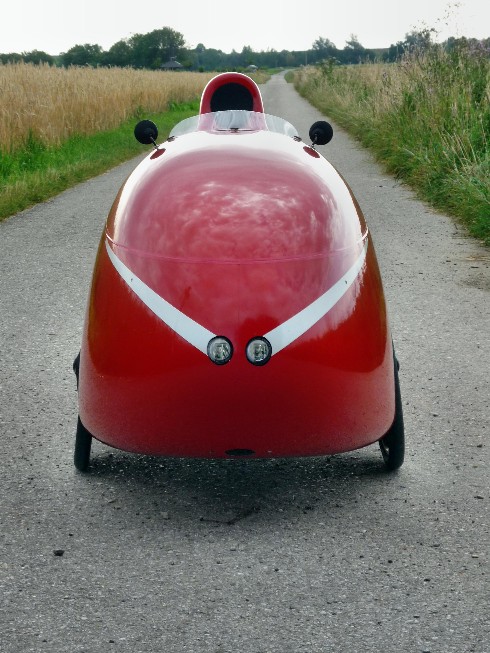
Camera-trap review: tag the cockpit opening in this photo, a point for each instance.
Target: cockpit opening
(232, 96)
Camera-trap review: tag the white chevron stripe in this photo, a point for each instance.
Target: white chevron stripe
(191, 331)
(292, 329)
(199, 336)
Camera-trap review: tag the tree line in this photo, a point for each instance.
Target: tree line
(154, 49)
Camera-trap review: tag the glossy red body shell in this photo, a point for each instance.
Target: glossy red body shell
(239, 231)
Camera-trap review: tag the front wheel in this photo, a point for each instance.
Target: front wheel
(392, 445)
(83, 444)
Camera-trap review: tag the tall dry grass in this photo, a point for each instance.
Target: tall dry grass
(427, 118)
(49, 105)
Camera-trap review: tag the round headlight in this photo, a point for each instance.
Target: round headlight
(259, 351)
(220, 350)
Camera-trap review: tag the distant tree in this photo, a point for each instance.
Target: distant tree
(212, 59)
(197, 55)
(37, 57)
(247, 56)
(354, 44)
(414, 40)
(421, 40)
(324, 48)
(395, 51)
(353, 51)
(11, 57)
(119, 54)
(321, 50)
(82, 55)
(155, 48)
(463, 43)
(451, 44)
(269, 58)
(233, 60)
(290, 59)
(266, 58)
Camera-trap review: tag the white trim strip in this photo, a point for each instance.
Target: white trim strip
(199, 336)
(292, 329)
(183, 325)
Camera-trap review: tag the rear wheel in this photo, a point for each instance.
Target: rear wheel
(83, 444)
(392, 445)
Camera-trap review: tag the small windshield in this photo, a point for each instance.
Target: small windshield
(234, 120)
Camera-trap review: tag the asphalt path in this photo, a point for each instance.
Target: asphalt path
(145, 555)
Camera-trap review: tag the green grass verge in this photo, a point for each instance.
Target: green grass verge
(37, 173)
(426, 119)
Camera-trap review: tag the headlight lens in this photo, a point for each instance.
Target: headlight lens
(220, 350)
(259, 351)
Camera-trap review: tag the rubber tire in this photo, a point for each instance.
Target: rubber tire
(83, 444)
(392, 445)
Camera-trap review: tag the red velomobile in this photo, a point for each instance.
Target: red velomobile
(236, 306)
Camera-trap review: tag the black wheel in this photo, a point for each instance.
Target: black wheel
(83, 444)
(392, 445)
(76, 367)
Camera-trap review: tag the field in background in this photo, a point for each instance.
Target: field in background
(427, 118)
(61, 126)
(49, 105)
(36, 173)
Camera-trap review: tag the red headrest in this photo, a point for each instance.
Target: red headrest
(231, 91)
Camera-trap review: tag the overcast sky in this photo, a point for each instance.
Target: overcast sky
(54, 26)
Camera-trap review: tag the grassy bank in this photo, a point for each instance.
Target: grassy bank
(36, 172)
(427, 119)
(62, 126)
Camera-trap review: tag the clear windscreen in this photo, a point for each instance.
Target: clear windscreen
(235, 121)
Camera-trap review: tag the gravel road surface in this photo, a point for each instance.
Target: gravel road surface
(145, 555)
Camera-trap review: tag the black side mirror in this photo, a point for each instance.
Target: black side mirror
(146, 132)
(321, 133)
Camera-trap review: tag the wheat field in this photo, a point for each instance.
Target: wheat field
(51, 104)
